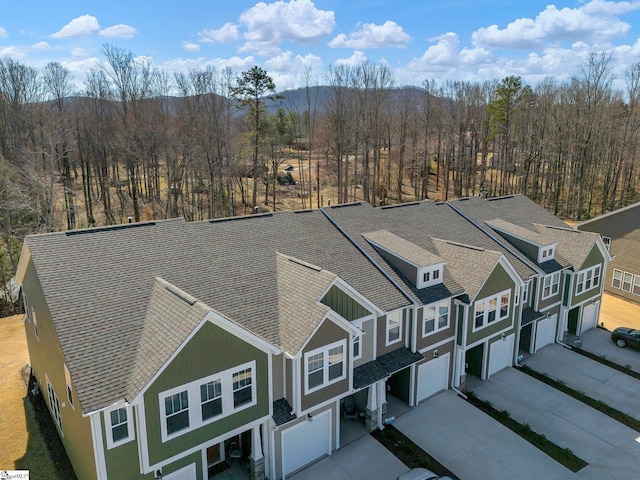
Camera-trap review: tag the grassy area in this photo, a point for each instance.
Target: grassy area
(408, 452)
(617, 415)
(562, 455)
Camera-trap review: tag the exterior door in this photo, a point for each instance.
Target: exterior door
(432, 377)
(306, 442)
(546, 332)
(589, 317)
(501, 354)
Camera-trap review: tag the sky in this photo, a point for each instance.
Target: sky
(472, 40)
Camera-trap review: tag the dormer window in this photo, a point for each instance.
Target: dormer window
(546, 253)
(430, 276)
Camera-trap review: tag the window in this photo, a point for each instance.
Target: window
(435, 318)
(428, 276)
(54, 405)
(551, 285)
(176, 408)
(545, 254)
(211, 399)
(490, 309)
(616, 282)
(636, 284)
(588, 279)
(324, 366)
(35, 322)
(627, 279)
(525, 293)
(119, 420)
(607, 242)
(394, 327)
(357, 346)
(242, 389)
(221, 394)
(67, 379)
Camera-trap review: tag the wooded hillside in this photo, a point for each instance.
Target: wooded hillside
(139, 142)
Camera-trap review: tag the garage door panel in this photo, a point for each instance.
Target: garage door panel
(589, 317)
(546, 332)
(501, 354)
(433, 377)
(306, 442)
(185, 473)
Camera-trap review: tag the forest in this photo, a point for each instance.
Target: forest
(136, 143)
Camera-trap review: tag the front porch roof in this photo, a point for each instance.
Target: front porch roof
(282, 412)
(383, 366)
(529, 315)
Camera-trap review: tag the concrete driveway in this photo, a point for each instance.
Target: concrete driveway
(364, 458)
(473, 445)
(611, 449)
(596, 380)
(598, 341)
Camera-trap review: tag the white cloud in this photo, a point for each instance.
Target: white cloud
(3, 33)
(285, 68)
(595, 20)
(79, 53)
(41, 46)
(14, 52)
(226, 34)
(190, 47)
(298, 21)
(358, 58)
(78, 27)
(118, 31)
(370, 35)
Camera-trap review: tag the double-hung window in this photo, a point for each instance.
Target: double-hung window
(176, 409)
(357, 346)
(119, 426)
(588, 279)
(551, 285)
(491, 309)
(394, 327)
(242, 387)
(435, 318)
(324, 366)
(54, 404)
(211, 399)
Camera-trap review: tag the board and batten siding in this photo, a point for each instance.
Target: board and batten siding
(211, 350)
(344, 305)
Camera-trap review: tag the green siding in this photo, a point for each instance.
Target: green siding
(498, 281)
(328, 333)
(343, 304)
(211, 350)
(46, 357)
(122, 462)
(594, 258)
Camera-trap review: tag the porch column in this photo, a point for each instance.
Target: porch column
(382, 400)
(371, 412)
(256, 460)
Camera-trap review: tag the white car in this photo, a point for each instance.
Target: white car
(421, 474)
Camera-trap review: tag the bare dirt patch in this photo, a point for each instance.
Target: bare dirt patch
(23, 447)
(618, 312)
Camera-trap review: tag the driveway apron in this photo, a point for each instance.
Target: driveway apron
(611, 449)
(473, 445)
(598, 381)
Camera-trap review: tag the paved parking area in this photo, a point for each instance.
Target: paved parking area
(596, 380)
(364, 458)
(473, 445)
(598, 341)
(611, 449)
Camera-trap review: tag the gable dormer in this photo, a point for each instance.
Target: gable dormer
(533, 244)
(420, 266)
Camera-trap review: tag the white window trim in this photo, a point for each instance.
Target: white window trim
(357, 339)
(389, 328)
(583, 274)
(193, 395)
(525, 293)
(546, 253)
(622, 276)
(325, 366)
(436, 328)
(551, 283)
(485, 317)
(35, 323)
(607, 242)
(434, 272)
(55, 412)
(109, 429)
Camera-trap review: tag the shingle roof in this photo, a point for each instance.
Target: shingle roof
(402, 248)
(100, 289)
(384, 366)
(524, 233)
(574, 245)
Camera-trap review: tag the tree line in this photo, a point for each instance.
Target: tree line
(137, 142)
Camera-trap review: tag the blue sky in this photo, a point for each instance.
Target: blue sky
(473, 40)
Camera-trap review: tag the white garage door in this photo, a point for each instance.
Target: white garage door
(546, 332)
(589, 317)
(501, 354)
(305, 442)
(186, 473)
(432, 377)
